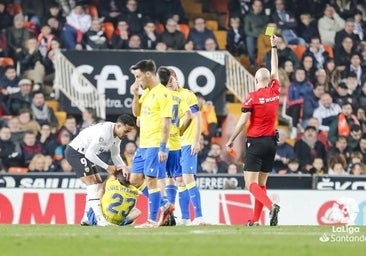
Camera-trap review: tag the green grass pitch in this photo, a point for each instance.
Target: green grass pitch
(69, 240)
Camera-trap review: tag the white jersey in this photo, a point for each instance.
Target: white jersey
(96, 139)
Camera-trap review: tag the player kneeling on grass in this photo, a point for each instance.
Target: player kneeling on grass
(118, 201)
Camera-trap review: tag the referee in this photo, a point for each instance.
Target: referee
(260, 108)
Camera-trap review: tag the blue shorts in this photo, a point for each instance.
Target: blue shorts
(188, 161)
(173, 168)
(146, 162)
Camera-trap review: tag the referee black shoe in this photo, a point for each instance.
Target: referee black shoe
(273, 215)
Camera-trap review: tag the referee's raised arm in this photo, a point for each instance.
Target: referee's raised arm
(274, 57)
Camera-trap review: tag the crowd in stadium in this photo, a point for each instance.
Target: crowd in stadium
(322, 60)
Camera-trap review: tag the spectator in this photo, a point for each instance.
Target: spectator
(199, 33)
(354, 139)
(149, 35)
(216, 152)
(362, 148)
(59, 153)
(355, 67)
(308, 148)
(31, 64)
(326, 112)
(337, 165)
(318, 167)
(40, 163)
(78, 18)
(121, 35)
(284, 153)
(333, 75)
(26, 122)
(16, 36)
(316, 50)
(30, 147)
(235, 39)
(340, 95)
(21, 99)
(128, 152)
(254, 23)
(16, 133)
(69, 127)
(189, 46)
(172, 37)
(68, 5)
(309, 64)
(308, 28)
(49, 63)
(286, 21)
(329, 25)
(41, 111)
(361, 116)
(321, 135)
(311, 102)
(343, 52)
(47, 140)
(161, 46)
(44, 40)
(10, 153)
(360, 25)
(347, 31)
(342, 124)
(9, 82)
(54, 11)
(293, 167)
(134, 42)
(210, 166)
(6, 20)
(359, 100)
(321, 79)
(340, 148)
(295, 98)
(95, 38)
(210, 45)
(133, 17)
(358, 169)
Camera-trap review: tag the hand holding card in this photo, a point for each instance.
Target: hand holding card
(269, 31)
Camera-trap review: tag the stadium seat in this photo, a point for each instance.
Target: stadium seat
(159, 28)
(221, 38)
(299, 50)
(6, 61)
(17, 170)
(329, 49)
(108, 30)
(14, 8)
(212, 24)
(54, 104)
(61, 117)
(184, 28)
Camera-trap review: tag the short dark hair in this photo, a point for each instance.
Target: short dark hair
(126, 119)
(145, 66)
(164, 75)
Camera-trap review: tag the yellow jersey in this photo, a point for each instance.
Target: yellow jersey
(180, 107)
(118, 201)
(156, 104)
(192, 102)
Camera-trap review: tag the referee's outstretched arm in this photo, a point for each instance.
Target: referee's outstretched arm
(274, 57)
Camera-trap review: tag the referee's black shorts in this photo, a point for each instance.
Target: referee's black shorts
(260, 153)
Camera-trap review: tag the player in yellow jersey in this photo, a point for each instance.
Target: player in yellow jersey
(185, 180)
(154, 109)
(118, 201)
(180, 120)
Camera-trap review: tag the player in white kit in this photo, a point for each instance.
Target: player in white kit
(82, 154)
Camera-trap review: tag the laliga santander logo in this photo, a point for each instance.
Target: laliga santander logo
(340, 212)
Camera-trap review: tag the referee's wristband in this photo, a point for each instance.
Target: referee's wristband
(163, 147)
(274, 47)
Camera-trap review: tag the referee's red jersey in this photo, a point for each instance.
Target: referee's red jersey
(263, 105)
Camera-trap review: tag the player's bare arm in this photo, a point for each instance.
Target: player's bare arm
(163, 156)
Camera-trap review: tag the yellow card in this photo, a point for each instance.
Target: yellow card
(269, 31)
